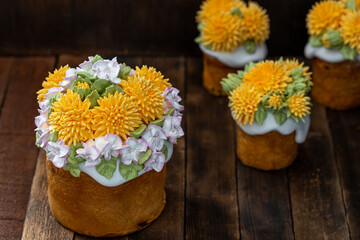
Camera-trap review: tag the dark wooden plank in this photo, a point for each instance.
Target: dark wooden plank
(39, 222)
(345, 131)
(317, 206)
(211, 197)
(264, 204)
(19, 110)
(17, 154)
(5, 66)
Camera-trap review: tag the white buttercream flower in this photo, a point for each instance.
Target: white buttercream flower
(41, 122)
(132, 150)
(43, 140)
(53, 92)
(44, 107)
(108, 70)
(58, 152)
(92, 151)
(172, 99)
(70, 77)
(172, 128)
(154, 137)
(156, 162)
(113, 147)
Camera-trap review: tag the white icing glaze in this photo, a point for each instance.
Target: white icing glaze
(329, 55)
(286, 128)
(239, 57)
(117, 179)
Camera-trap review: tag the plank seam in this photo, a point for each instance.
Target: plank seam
(7, 84)
(237, 178)
(290, 204)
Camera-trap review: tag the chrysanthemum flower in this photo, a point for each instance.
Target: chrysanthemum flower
(291, 64)
(223, 32)
(324, 15)
(210, 8)
(145, 95)
(153, 75)
(243, 103)
(299, 105)
(268, 76)
(116, 114)
(257, 23)
(350, 29)
(83, 85)
(53, 80)
(71, 118)
(275, 101)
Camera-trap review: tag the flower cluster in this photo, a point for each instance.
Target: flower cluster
(278, 87)
(104, 112)
(224, 25)
(335, 25)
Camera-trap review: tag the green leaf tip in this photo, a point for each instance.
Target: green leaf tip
(351, 4)
(280, 117)
(260, 115)
(101, 84)
(250, 46)
(124, 72)
(93, 97)
(198, 40)
(107, 168)
(145, 156)
(112, 89)
(37, 136)
(165, 151)
(96, 58)
(138, 132)
(200, 27)
(159, 122)
(315, 41)
(86, 75)
(130, 171)
(236, 11)
(334, 38)
(348, 52)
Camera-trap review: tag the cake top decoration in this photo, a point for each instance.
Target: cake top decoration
(107, 116)
(224, 25)
(335, 25)
(277, 87)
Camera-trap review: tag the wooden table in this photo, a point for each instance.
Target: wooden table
(210, 194)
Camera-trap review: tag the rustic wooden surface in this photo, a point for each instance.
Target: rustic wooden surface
(210, 193)
(150, 27)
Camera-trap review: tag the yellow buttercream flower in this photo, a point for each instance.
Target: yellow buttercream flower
(324, 15)
(71, 118)
(291, 64)
(256, 22)
(153, 75)
(223, 32)
(53, 80)
(243, 103)
(83, 85)
(350, 29)
(299, 105)
(116, 114)
(146, 95)
(268, 76)
(210, 8)
(275, 101)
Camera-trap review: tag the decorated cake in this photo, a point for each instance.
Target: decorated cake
(232, 34)
(269, 104)
(334, 46)
(108, 132)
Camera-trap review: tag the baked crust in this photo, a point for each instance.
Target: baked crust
(270, 151)
(87, 207)
(214, 71)
(336, 85)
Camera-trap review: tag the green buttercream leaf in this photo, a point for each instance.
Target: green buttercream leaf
(101, 84)
(348, 52)
(165, 151)
(170, 112)
(280, 117)
(281, 59)
(260, 115)
(334, 38)
(86, 75)
(37, 136)
(124, 72)
(236, 11)
(54, 136)
(207, 47)
(112, 90)
(295, 118)
(130, 171)
(138, 132)
(75, 172)
(159, 122)
(96, 58)
(297, 72)
(198, 40)
(230, 83)
(249, 66)
(52, 100)
(107, 168)
(351, 4)
(315, 41)
(145, 156)
(93, 97)
(250, 46)
(200, 27)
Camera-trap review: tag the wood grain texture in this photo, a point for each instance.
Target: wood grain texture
(345, 131)
(211, 198)
(153, 27)
(317, 206)
(39, 223)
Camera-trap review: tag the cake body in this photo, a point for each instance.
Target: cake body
(87, 207)
(336, 85)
